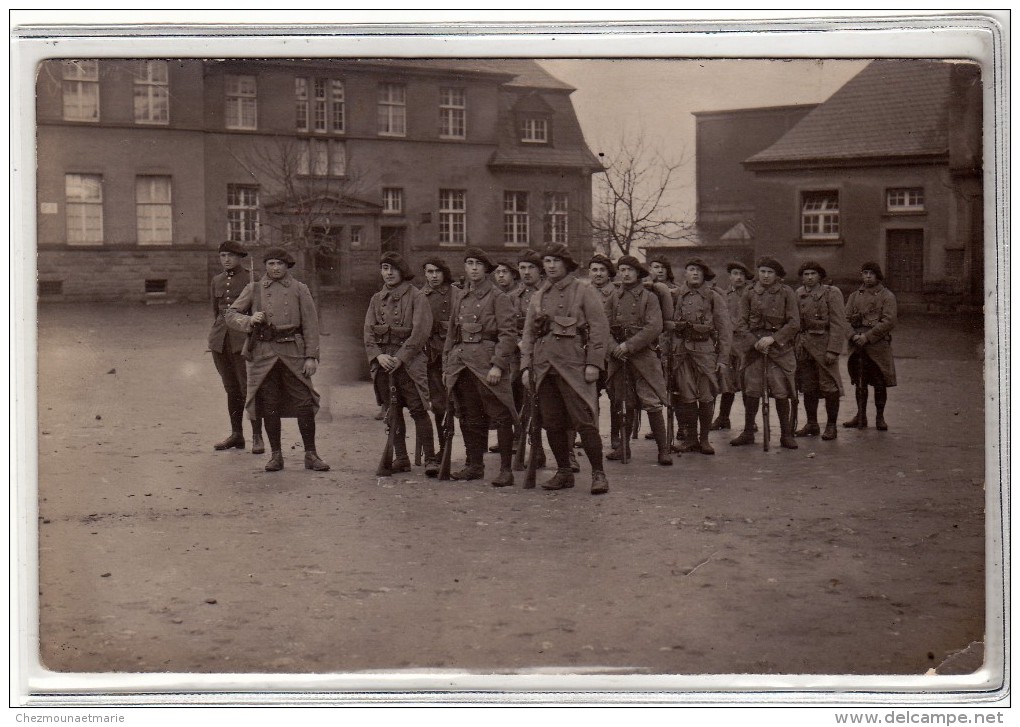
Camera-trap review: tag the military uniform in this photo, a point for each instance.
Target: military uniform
(702, 339)
(729, 376)
(482, 334)
(820, 341)
(440, 301)
(872, 312)
(566, 330)
(226, 345)
(398, 323)
(277, 385)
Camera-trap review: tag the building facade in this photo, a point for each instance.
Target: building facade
(146, 166)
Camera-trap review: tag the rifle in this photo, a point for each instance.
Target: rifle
(534, 433)
(385, 468)
(248, 352)
(766, 414)
(447, 434)
(627, 412)
(861, 389)
(669, 389)
(521, 437)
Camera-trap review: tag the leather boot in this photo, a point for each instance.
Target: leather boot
(658, 427)
(723, 420)
(599, 483)
(881, 395)
(831, 415)
(257, 445)
(786, 438)
(830, 432)
(810, 429)
(880, 424)
(574, 466)
(750, 414)
(474, 444)
(705, 409)
(860, 421)
(505, 478)
(562, 480)
(312, 462)
(234, 441)
(614, 428)
(275, 463)
(689, 428)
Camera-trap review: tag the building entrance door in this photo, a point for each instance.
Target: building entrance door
(905, 261)
(391, 239)
(328, 258)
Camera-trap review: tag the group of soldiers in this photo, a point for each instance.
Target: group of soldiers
(518, 346)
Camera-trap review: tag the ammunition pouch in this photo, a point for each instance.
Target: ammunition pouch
(473, 333)
(387, 335)
(621, 333)
(563, 326)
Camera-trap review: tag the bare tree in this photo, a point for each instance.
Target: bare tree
(306, 186)
(631, 199)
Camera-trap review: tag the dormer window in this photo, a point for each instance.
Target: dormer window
(535, 131)
(533, 118)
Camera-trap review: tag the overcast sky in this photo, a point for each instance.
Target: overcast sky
(616, 97)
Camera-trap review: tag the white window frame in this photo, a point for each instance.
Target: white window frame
(392, 109)
(241, 102)
(904, 199)
(154, 209)
(535, 130)
(80, 82)
(452, 113)
(83, 212)
(151, 89)
(393, 200)
(301, 104)
(242, 213)
(516, 228)
(557, 217)
(453, 217)
(356, 236)
(819, 215)
(321, 158)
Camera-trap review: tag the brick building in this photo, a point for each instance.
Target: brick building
(145, 166)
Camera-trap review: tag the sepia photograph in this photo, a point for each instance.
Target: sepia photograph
(603, 372)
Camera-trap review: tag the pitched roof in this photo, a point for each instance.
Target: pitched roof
(893, 108)
(520, 72)
(568, 148)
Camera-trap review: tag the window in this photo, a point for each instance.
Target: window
(452, 216)
(241, 99)
(452, 109)
(321, 158)
(324, 111)
(905, 200)
(819, 219)
(393, 201)
(392, 109)
(153, 210)
(356, 236)
(515, 218)
(242, 213)
(81, 90)
(84, 208)
(152, 92)
(555, 223)
(535, 131)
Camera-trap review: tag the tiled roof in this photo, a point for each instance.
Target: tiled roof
(568, 148)
(894, 108)
(525, 73)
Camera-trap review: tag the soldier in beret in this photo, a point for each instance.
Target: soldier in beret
(480, 343)
(634, 372)
(767, 324)
(226, 344)
(438, 292)
(601, 272)
(823, 331)
(871, 313)
(506, 275)
(729, 379)
(398, 324)
(532, 274)
(283, 351)
(565, 338)
(702, 338)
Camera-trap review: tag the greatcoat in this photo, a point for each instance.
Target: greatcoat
(224, 290)
(703, 333)
(770, 311)
(289, 307)
(398, 322)
(635, 317)
(872, 311)
(823, 328)
(482, 334)
(578, 335)
(730, 377)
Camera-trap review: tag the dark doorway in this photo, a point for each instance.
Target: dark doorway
(905, 261)
(391, 239)
(327, 256)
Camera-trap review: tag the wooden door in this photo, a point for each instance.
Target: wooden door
(905, 261)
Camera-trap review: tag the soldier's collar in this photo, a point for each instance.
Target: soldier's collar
(397, 290)
(815, 291)
(429, 290)
(231, 273)
(563, 282)
(284, 281)
(874, 289)
(759, 288)
(481, 287)
(702, 289)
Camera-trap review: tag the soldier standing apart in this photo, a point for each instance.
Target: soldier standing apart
(226, 344)
(635, 372)
(871, 313)
(529, 267)
(283, 354)
(729, 379)
(480, 343)
(766, 327)
(823, 331)
(565, 339)
(437, 291)
(398, 323)
(703, 337)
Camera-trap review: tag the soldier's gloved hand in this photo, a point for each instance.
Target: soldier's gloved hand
(859, 339)
(621, 351)
(494, 375)
(258, 318)
(721, 365)
(388, 363)
(763, 343)
(591, 373)
(310, 367)
(831, 358)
